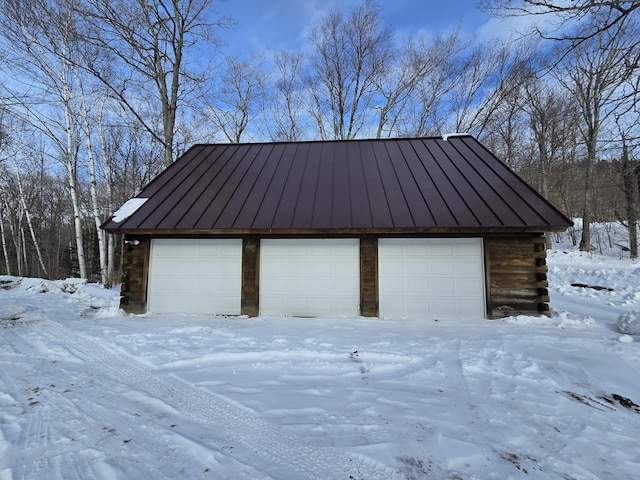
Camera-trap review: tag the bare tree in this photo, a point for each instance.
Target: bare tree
(4, 140)
(594, 73)
(429, 106)
(88, 123)
(506, 128)
(8, 215)
(43, 34)
(488, 78)
(5, 251)
(410, 66)
(27, 214)
(631, 187)
(628, 129)
(571, 23)
(287, 100)
(149, 38)
(11, 148)
(241, 97)
(593, 16)
(349, 57)
(108, 165)
(552, 119)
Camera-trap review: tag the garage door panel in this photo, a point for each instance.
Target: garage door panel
(164, 286)
(471, 268)
(320, 285)
(444, 307)
(195, 276)
(186, 251)
(344, 251)
(183, 269)
(412, 287)
(163, 269)
(341, 306)
(394, 289)
(440, 287)
(351, 284)
(466, 288)
(466, 249)
(431, 278)
(309, 277)
(413, 249)
(165, 303)
(410, 269)
(441, 268)
(324, 267)
(441, 250)
(391, 265)
(298, 269)
(220, 303)
(414, 304)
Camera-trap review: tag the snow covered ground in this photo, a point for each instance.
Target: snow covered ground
(89, 392)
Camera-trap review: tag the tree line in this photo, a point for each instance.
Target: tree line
(98, 96)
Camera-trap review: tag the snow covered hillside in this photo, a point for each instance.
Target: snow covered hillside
(87, 392)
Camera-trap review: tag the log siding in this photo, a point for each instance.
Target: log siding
(516, 272)
(250, 297)
(369, 304)
(135, 274)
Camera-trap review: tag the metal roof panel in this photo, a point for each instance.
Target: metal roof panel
(423, 183)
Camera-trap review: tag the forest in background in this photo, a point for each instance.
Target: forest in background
(99, 96)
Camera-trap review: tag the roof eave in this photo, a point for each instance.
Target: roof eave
(341, 231)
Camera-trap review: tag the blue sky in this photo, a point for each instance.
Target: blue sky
(275, 25)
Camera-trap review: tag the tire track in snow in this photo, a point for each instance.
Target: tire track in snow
(276, 451)
(46, 452)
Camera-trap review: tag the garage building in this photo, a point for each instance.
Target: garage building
(397, 228)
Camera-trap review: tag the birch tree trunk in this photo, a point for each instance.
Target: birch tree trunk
(72, 174)
(107, 282)
(5, 252)
(84, 113)
(13, 231)
(23, 250)
(28, 217)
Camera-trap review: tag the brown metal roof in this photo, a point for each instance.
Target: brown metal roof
(414, 183)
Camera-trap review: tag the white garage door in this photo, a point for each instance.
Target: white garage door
(195, 276)
(310, 277)
(431, 278)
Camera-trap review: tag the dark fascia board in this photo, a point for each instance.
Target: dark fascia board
(441, 232)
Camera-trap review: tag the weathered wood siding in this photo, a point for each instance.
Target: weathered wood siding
(369, 305)
(516, 271)
(250, 276)
(135, 268)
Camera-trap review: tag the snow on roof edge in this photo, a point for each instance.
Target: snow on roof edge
(127, 209)
(446, 136)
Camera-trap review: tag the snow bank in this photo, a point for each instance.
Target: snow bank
(70, 285)
(629, 323)
(8, 282)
